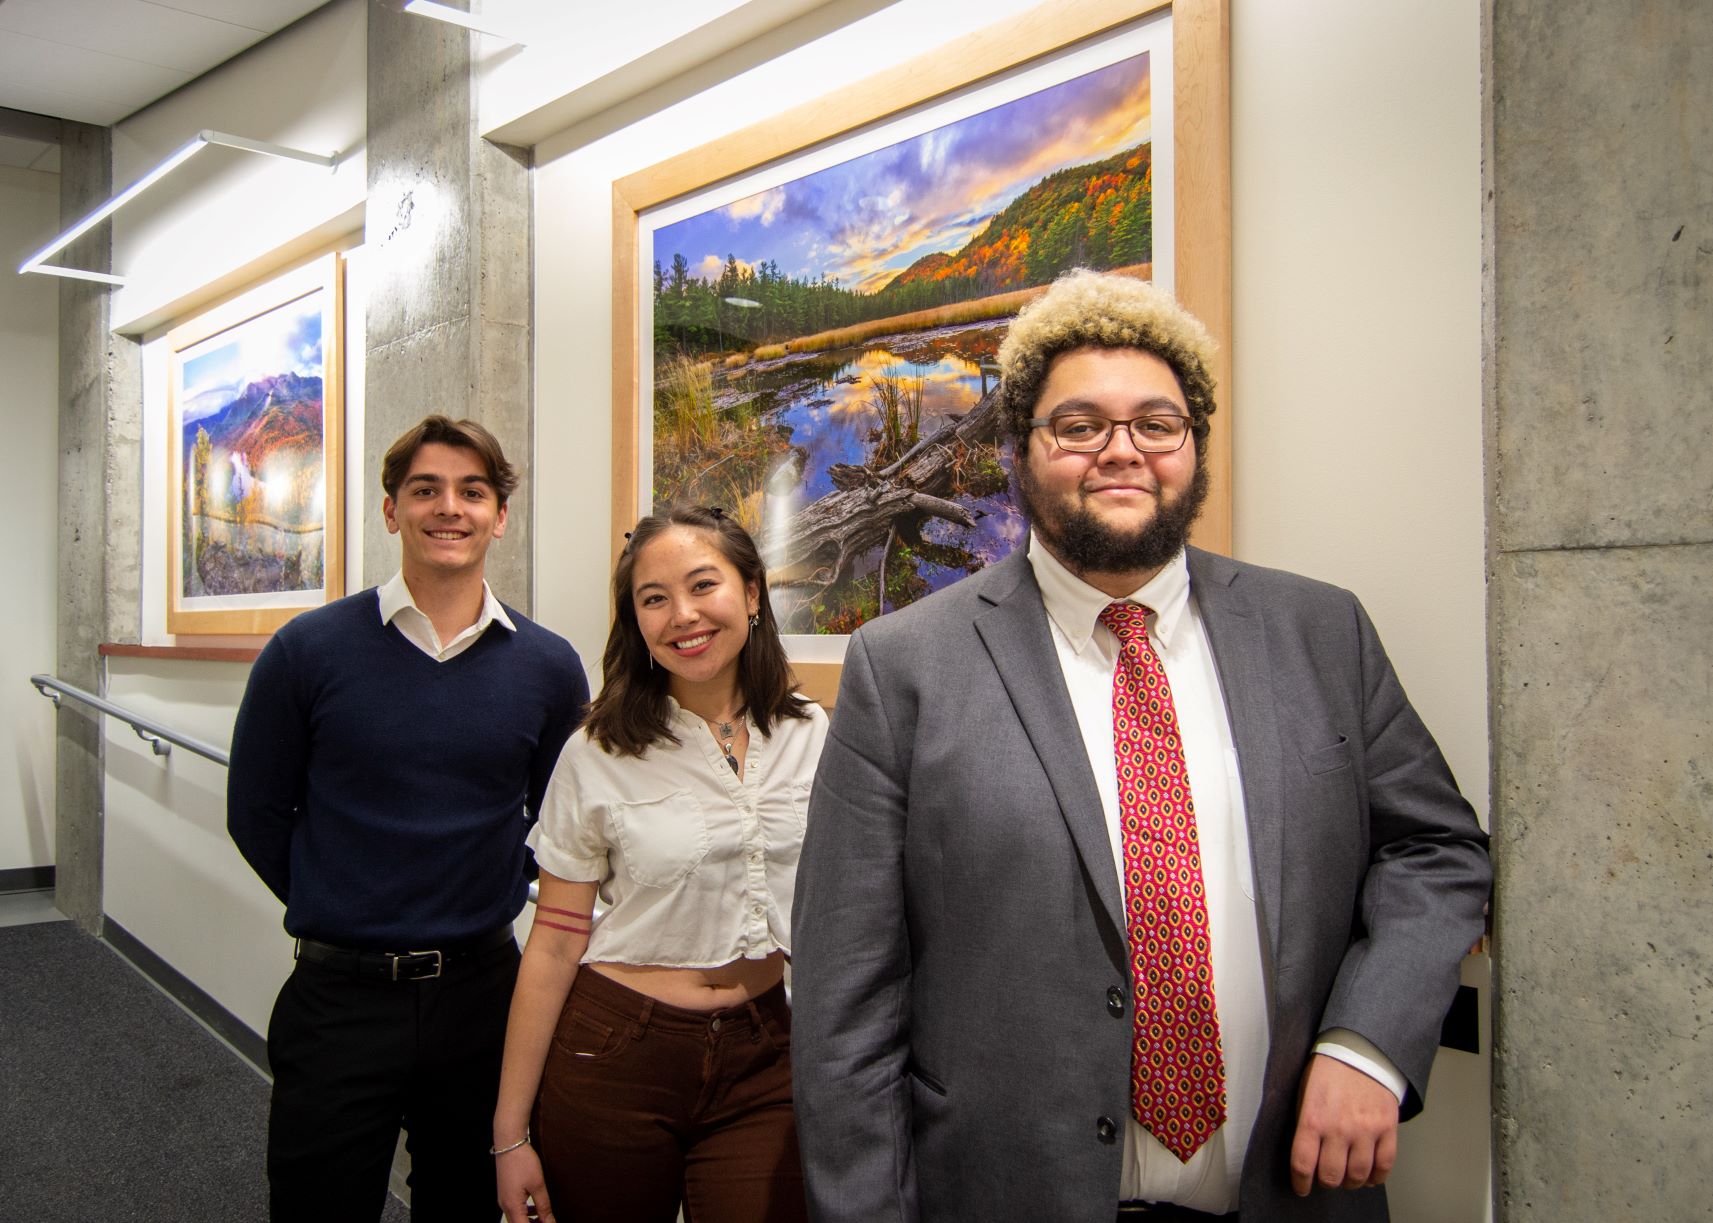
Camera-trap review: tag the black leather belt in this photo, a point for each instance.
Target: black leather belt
(1164, 1212)
(399, 965)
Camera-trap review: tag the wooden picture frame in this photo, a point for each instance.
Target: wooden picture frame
(255, 446)
(1200, 39)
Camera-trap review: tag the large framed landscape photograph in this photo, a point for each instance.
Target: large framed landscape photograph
(807, 313)
(255, 491)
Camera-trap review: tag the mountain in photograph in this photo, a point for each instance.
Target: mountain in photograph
(275, 413)
(1097, 215)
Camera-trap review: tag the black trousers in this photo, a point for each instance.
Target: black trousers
(356, 1058)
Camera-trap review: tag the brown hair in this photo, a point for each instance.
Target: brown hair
(1085, 309)
(464, 434)
(631, 713)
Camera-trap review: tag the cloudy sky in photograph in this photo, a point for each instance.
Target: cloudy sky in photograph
(867, 219)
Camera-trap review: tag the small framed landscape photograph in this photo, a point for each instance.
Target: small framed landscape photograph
(255, 494)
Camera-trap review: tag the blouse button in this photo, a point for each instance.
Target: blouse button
(759, 910)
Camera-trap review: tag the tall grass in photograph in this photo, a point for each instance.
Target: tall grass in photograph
(897, 401)
(684, 417)
(706, 454)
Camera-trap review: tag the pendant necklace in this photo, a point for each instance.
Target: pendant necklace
(726, 739)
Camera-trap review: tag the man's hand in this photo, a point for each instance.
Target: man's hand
(522, 1189)
(1347, 1128)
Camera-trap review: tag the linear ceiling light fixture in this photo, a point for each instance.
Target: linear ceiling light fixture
(452, 16)
(173, 161)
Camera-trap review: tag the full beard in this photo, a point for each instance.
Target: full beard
(1086, 543)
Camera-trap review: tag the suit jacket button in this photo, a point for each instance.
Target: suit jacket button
(1106, 1131)
(1115, 1002)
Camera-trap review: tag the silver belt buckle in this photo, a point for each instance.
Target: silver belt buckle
(439, 963)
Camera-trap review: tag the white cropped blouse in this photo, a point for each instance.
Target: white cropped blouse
(697, 867)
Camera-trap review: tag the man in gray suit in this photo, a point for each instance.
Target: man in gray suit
(1133, 885)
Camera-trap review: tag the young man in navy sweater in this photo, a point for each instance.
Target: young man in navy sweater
(389, 752)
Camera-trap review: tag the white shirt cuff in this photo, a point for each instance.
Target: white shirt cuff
(1353, 1050)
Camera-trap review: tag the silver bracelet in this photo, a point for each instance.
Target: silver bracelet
(521, 1142)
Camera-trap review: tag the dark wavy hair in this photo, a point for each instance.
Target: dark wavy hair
(465, 435)
(631, 713)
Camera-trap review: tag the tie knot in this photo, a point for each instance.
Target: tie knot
(1128, 621)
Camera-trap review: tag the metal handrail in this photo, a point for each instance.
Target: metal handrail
(159, 738)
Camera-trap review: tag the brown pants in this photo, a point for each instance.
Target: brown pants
(644, 1106)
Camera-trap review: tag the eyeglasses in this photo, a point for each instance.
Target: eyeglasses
(1090, 434)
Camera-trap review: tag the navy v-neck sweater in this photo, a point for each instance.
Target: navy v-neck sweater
(385, 796)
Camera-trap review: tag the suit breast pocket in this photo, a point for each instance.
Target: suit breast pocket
(1328, 759)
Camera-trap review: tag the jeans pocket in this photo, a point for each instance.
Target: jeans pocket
(582, 1038)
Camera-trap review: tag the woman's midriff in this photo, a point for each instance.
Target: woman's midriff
(699, 989)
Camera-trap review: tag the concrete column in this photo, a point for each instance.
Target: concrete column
(100, 526)
(86, 177)
(1600, 357)
(448, 243)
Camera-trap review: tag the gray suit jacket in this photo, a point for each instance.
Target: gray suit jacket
(958, 922)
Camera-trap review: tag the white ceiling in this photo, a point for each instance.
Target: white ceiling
(98, 61)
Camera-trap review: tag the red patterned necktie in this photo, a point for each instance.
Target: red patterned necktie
(1177, 1072)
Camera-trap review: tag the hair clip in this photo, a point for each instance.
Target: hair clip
(716, 512)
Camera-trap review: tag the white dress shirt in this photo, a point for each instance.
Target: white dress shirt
(399, 608)
(1088, 655)
(697, 867)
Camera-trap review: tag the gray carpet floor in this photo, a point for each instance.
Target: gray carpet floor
(114, 1103)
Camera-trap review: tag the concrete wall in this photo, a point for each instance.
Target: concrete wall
(29, 355)
(1356, 388)
(448, 231)
(1601, 350)
(95, 523)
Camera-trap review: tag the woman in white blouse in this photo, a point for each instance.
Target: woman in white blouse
(647, 1061)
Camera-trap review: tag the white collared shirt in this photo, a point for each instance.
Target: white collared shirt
(398, 608)
(1088, 656)
(697, 866)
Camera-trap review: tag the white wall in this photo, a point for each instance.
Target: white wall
(1356, 392)
(173, 877)
(1357, 384)
(555, 63)
(1357, 379)
(219, 220)
(29, 415)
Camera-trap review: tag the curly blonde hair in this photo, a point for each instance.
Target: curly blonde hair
(1085, 309)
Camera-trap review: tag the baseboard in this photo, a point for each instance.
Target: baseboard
(26, 879)
(234, 1031)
